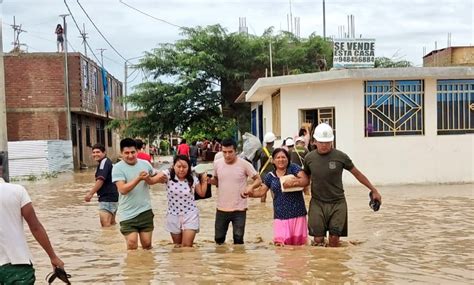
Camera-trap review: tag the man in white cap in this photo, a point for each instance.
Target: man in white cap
(289, 145)
(299, 152)
(328, 208)
(264, 155)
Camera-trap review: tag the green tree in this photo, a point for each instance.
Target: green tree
(385, 62)
(208, 68)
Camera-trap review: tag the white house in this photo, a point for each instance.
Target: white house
(399, 125)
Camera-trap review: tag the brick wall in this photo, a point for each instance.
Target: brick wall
(438, 58)
(36, 103)
(36, 126)
(34, 81)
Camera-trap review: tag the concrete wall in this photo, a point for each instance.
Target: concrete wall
(428, 158)
(452, 56)
(463, 56)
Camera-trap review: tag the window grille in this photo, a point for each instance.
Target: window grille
(85, 75)
(394, 108)
(455, 106)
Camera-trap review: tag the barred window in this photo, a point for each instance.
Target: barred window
(394, 108)
(95, 81)
(455, 102)
(85, 74)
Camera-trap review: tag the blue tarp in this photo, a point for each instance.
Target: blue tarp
(106, 90)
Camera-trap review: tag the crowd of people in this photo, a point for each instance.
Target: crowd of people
(123, 190)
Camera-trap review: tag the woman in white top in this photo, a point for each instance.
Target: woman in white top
(182, 219)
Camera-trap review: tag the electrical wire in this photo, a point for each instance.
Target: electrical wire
(131, 73)
(138, 73)
(79, 29)
(100, 31)
(49, 40)
(158, 19)
(112, 60)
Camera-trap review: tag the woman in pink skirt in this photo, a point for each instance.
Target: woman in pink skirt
(290, 225)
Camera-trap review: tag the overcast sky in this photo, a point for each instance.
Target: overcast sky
(401, 27)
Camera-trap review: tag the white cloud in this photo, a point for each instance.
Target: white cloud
(402, 26)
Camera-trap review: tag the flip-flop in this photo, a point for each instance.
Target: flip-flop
(374, 204)
(58, 273)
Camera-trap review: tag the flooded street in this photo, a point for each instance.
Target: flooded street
(422, 234)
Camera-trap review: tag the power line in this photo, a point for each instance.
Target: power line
(79, 29)
(129, 75)
(99, 30)
(49, 40)
(112, 60)
(138, 73)
(158, 19)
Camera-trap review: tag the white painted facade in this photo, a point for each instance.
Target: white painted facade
(427, 158)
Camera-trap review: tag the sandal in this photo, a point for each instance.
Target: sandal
(58, 273)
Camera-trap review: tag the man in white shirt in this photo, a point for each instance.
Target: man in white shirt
(15, 258)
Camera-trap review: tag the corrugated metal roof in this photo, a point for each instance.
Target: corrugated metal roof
(39, 157)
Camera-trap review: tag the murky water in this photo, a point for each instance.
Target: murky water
(423, 234)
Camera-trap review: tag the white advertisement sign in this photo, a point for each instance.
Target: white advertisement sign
(354, 53)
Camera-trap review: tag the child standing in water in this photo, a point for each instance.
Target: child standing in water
(182, 219)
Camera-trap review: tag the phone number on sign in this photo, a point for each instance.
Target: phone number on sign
(354, 59)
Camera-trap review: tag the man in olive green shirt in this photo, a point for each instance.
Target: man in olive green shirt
(328, 208)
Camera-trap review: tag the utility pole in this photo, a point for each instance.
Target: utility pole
(291, 19)
(3, 112)
(66, 79)
(84, 38)
(324, 19)
(271, 60)
(125, 84)
(102, 56)
(17, 30)
(125, 79)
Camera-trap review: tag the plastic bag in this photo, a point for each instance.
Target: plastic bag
(250, 145)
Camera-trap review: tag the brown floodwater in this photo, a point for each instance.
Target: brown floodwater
(422, 234)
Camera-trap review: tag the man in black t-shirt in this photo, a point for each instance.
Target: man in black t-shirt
(105, 189)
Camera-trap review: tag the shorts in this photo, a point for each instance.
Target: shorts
(175, 224)
(110, 207)
(327, 217)
(21, 274)
(141, 223)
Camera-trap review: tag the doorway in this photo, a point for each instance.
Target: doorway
(320, 115)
